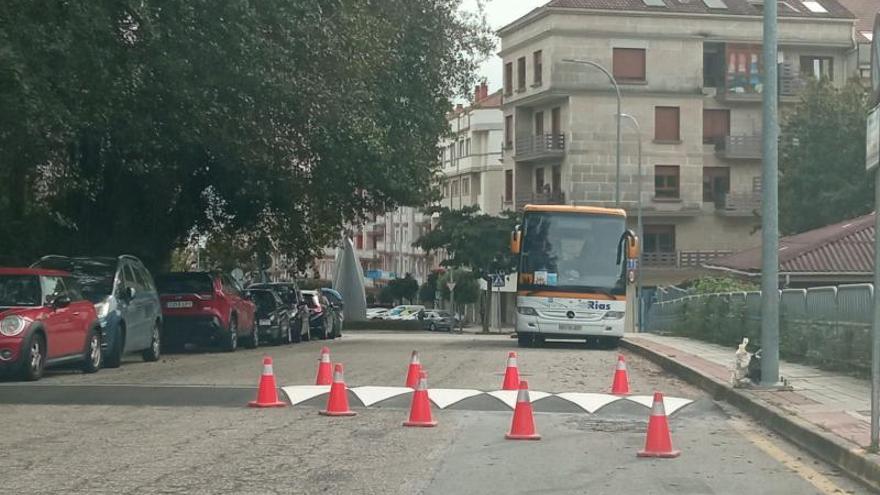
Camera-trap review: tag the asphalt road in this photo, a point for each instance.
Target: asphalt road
(180, 427)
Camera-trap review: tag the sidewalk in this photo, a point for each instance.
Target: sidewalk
(826, 413)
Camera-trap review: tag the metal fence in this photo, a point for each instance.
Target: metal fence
(829, 326)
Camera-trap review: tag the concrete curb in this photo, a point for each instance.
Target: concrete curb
(854, 461)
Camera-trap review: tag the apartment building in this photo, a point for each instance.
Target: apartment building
(690, 72)
(471, 156)
(471, 176)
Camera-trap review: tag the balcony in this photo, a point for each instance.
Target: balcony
(790, 86)
(540, 147)
(680, 259)
(739, 147)
(555, 198)
(738, 204)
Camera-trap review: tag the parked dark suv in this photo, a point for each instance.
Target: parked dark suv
(125, 299)
(44, 321)
(293, 300)
(273, 317)
(206, 308)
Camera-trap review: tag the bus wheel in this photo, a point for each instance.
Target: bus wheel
(524, 339)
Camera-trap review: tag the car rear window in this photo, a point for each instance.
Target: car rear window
(20, 290)
(264, 300)
(185, 283)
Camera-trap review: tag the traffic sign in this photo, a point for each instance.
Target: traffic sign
(450, 285)
(498, 280)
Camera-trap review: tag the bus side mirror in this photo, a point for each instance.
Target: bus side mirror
(632, 247)
(515, 238)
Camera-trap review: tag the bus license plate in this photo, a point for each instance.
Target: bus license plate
(568, 326)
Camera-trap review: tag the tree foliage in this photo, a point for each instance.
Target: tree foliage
(467, 290)
(405, 288)
(428, 290)
(472, 240)
(126, 125)
(717, 285)
(822, 159)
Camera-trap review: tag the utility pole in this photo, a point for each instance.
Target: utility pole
(875, 330)
(769, 207)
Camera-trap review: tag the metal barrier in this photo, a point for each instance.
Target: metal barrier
(827, 325)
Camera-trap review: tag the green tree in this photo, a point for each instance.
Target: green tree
(404, 288)
(126, 125)
(428, 290)
(473, 240)
(822, 159)
(467, 290)
(716, 285)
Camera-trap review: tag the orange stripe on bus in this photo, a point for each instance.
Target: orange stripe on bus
(570, 295)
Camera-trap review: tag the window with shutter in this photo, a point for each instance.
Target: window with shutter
(666, 124)
(539, 123)
(538, 67)
(716, 125)
(716, 183)
(628, 64)
(508, 131)
(508, 185)
(508, 78)
(521, 74)
(666, 181)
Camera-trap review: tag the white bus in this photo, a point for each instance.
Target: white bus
(573, 273)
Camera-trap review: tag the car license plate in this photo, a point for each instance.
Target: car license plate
(265, 322)
(568, 326)
(179, 304)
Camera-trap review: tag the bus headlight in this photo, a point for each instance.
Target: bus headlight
(613, 315)
(525, 310)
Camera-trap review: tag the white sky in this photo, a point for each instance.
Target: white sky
(500, 13)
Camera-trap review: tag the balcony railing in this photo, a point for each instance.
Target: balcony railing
(553, 198)
(680, 259)
(739, 147)
(540, 147)
(739, 88)
(738, 204)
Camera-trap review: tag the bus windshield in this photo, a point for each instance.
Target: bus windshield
(572, 252)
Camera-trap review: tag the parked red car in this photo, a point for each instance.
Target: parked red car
(45, 321)
(205, 308)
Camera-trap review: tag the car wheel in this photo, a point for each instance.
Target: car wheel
(253, 340)
(152, 353)
(432, 327)
(34, 359)
(92, 357)
(230, 342)
(114, 355)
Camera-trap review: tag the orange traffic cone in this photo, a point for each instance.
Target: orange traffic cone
(337, 402)
(420, 410)
(267, 393)
(523, 425)
(325, 377)
(659, 441)
(620, 386)
(412, 375)
(511, 375)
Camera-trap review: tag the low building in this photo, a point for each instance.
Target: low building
(842, 253)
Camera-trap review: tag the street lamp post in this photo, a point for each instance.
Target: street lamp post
(617, 90)
(638, 128)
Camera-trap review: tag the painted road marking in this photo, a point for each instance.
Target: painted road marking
(671, 404)
(588, 402)
(372, 395)
(445, 397)
(815, 478)
(508, 397)
(302, 393)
